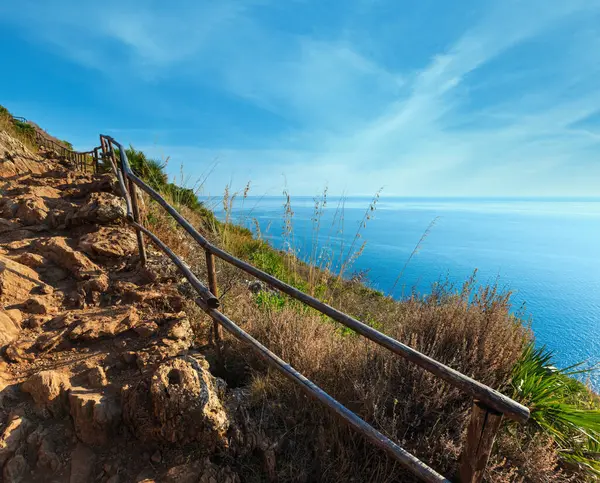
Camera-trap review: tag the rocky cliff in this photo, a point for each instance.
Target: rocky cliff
(102, 374)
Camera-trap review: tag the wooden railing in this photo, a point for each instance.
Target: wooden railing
(86, 161)
(489, 405)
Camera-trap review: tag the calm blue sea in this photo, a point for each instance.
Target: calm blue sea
(545, 251)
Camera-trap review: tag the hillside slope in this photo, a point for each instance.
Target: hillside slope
(107, 375)
(102, 378)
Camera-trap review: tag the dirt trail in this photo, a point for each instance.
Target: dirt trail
(102, 377)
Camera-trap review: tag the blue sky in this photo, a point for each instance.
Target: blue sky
(427, 98)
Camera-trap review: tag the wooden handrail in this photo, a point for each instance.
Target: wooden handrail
(489, 404)
(477, 390)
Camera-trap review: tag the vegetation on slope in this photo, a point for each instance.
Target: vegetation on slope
(22, 131)
(470, 328)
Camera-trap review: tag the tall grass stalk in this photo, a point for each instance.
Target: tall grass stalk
(353, 253)
(412, 254)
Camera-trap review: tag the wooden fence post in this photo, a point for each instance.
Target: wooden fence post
(212, 286)
(136, 217)
(96, 165)
(481, 433)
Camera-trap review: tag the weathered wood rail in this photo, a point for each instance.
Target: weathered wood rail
(83, 160)
(489, 406)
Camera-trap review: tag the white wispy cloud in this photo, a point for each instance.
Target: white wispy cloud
(357, 123)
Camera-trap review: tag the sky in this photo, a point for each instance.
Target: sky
(420, 98)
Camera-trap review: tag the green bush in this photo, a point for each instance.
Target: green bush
(25, 130)
(560, 406)
(152, 171)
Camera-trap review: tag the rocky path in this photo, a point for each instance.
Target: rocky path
(101, 377)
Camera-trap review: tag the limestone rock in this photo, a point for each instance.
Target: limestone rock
(97, 377)
(106, 322)
(47, 457)
(32, 210)
(177, 338)
(16, 281)
(96, 416)
(178, 404)
(82, 464)
(99, 283)
(18, 239)
(39, 305)
(99, 208)
(187, 473)
(105, 182)
(16, 470)
(109, 242)
(200, 472)
(146, 329)
(16, 159)
(49, 390)
(41, 445)
(20, 350)
(8, 225)
(9, 331)
(13, 435)
(15, 315)
(32, 260)
(58, 251)
(217, 474)
(180, 329)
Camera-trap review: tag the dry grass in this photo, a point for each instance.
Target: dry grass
(467, 328)
(411, 406)
(22, 132)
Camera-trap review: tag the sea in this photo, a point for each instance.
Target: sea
(545, 251)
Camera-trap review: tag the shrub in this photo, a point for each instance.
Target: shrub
(560, 405)
(23, 131)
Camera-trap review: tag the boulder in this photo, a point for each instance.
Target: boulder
(58, 251)
(47, 458)
(49, 390)
(96, 416)
(9, 331)
(16, 470)
(186, 473)
(20, 350)
(29, 259)
(178, 404)
(32, 210)
(200, 472)
(82, 464)
(8, 225)
(41, 445)
(146, 329)
(34, 205)
(39, 305)
(99, 208)
(16, 158)
(16, 281)
(97, 377)
(18, 239)
(105, 322)
(104, 182)
(176, 337)
(180, 330)
(12, 437)
(111, 242)
(99, 283)
(16, 316)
